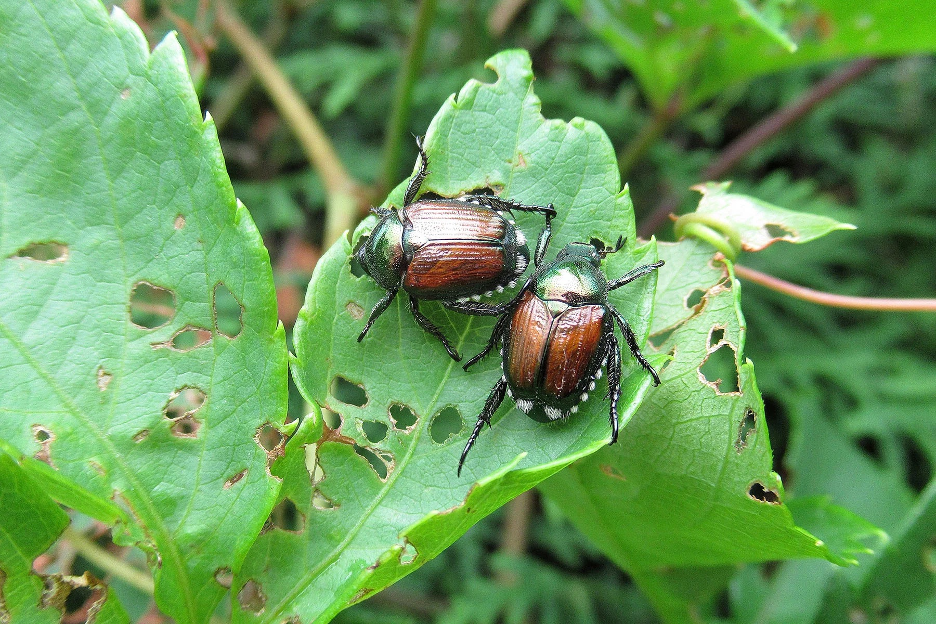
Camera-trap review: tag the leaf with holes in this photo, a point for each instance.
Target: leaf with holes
(758, 223)
(686, 52)
(141, 353)
(690, 482)
(385, 497)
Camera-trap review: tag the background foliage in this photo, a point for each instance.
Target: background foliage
(850, 399)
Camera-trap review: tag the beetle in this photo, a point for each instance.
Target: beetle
(449, 250)
(557, 334)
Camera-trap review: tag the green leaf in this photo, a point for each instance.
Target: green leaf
(141, 353)
(29, 524)
(845, 533)
(758, 223)
(364, 528)
(690, 51)
(690, 482)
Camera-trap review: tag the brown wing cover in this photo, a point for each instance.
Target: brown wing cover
(575, 338)
(450, 221)
(451, 269)
(529, 332)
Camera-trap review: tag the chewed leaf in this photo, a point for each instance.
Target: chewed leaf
(131, 383)
(379, 491)
(759, 223)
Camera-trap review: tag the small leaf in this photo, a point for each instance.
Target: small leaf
(843, 532)
(761, 224)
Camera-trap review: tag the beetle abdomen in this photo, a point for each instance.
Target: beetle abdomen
(530, 325)
(451, 269)
(573, 344)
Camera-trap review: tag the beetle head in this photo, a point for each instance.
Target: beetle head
(592, 252)
(381, 254)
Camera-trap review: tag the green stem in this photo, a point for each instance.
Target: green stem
(399, 115)
(108, 562)
(716, 232)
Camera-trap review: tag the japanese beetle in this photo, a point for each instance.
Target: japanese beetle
(557, 334)
(448, 250)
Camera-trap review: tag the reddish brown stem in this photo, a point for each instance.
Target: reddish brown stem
(833, 300)
(761, 133)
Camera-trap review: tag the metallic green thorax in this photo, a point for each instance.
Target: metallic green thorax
(381, 256)
(575, 271)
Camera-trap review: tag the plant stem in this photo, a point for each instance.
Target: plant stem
(342, 190)
(833, 300)
(768, 128)
(108, 562)
(516, 532)
(399, 116)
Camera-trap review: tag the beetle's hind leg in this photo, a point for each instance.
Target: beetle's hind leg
(632, 343)
(413, 187)
(377, 311)
(614, 381)
(428, 325)
(490, 406)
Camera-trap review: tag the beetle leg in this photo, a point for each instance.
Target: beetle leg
(499, 328)
(413, 187)
(377, 311)
(490, 406)
(477, 308)
(543, 242)
(632, 343)
(498, 203)
(634, 274)
(426, 324)
(614, 381)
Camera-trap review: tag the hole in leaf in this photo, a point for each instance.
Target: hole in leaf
(657, 340)
(190, 337)
(287, 517)
(224, 577)
(179, 222)
(446, 424)
(870, 446)
(186, 427)
(694, 298)
(758, 492)
(402, 416)
(316, 474)
(251, 597)
(49, 251)
(348, 392)
(665, 364)
(151, 306)
(355, 310)
(44, 437)
(228, 312)
(775, 230)
(232, 480)
(332, 419)
(376, 461)
(322, 502)
(185, 400)
(408, 554)
(141, 435)
(269, 437)
(103, 379)
(374, 430)
(715, 336)
(720, 370)
(746, 428)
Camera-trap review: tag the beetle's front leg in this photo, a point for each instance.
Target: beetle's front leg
(428, 325)
(543, 242)
(499, 328)
(507, 205)
(413, 187)
(632, 343)
(377, 311)
(477, 308)
(490, 406)
(630, 276)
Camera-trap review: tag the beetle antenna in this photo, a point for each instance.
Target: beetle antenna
(380, 212)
